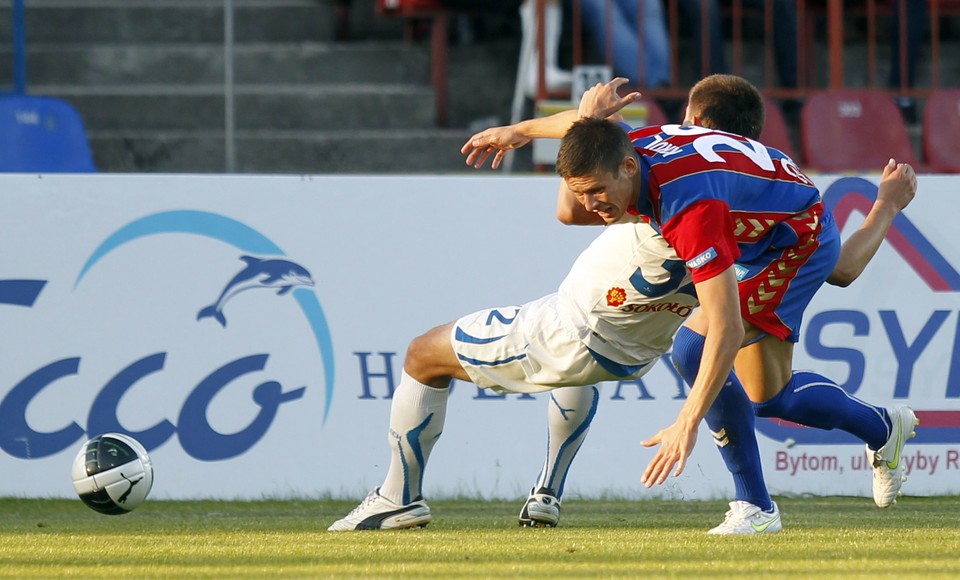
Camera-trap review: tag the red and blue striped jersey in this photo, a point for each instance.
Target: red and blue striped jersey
(720, 198)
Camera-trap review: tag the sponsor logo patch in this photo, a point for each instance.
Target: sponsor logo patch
(703, 258)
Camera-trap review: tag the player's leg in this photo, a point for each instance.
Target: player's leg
(731, 422)
(773, 298)
(569, 414)
(418, 411)
(811, 399)
(417, 414)
(807, 398)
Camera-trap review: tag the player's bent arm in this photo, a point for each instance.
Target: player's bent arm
(860, 247)
(898, 186)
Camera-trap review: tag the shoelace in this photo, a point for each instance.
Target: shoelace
(732, 519)
(363, 505)
(735, 516)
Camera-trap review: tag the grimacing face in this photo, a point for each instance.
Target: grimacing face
(606, 195)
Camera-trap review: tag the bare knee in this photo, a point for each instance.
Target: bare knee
(430, 358)
(764, 367)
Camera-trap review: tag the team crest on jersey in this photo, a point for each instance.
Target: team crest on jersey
(616, 296)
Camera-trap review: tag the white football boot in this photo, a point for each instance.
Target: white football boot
(745, 518)
(376, 512)
(888, 469)
(542, 510)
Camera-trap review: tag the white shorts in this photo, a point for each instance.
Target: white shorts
(526, 349)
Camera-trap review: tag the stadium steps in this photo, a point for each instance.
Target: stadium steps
(147, 76)
(426, 151)
(265, 107)
(138, 21)
(181, 63)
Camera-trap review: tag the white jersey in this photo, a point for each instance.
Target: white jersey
(614, 315)
(627, 294)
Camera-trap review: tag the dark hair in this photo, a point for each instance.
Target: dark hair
(728, 103)
(593, 145)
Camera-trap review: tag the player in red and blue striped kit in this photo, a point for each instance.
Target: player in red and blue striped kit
(705, 185)
(724, 201)
(758, 243)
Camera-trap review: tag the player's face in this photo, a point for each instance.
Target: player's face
(604, 194)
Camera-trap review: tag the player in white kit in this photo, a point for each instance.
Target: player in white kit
(613, 316)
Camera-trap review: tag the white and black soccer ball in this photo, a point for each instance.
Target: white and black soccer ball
(112, 474)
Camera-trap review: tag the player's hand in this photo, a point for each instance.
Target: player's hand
(676, 443)
(496, 141)
(898, 184)
(602, 100)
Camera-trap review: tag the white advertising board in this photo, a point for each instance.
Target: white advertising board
(249, 330)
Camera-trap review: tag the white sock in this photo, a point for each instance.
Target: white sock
(416, 421)
(570, 412)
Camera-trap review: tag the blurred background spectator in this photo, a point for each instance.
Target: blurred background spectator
(784, 41)
(555, 78)
(915, 24)
(631, 35)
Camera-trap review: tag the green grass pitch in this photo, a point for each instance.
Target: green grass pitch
(822, 537)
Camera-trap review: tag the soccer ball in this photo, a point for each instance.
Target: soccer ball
(112, 474)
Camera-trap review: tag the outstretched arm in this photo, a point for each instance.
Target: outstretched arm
(600, 101)
(720, 311)
(898, 185)
(499, 140)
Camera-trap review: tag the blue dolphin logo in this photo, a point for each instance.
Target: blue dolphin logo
(239, 236)
(259, 273)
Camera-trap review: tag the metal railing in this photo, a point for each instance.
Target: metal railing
(19, 38)
(820, 47)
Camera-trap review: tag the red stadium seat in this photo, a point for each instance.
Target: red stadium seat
(941, 131)
(853, 130)
(775, 133)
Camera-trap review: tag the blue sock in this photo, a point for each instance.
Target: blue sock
(731, 420)
(816, 401)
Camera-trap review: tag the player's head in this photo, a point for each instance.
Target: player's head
(599, 165)
(727, 103)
